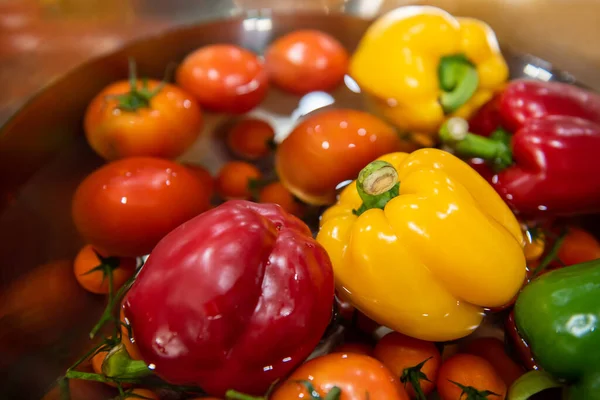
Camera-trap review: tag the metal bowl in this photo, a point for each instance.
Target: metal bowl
(43, 157)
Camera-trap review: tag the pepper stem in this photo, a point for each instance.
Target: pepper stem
(454, 133)
(118, 364)
(377, 184)
(458, 80)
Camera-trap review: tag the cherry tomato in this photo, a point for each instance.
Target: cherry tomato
(278, 194)
(235, 178)
(409, 358)
(158, 120)
(82, 390)
(305, 61)
(128, 341)
(250, 139)
(328, 148)
(355, 348)
(206, 179)
(357, 377)
(91, 272)
(534, 245)
(125, 207)
(224, 78)
(474, 373)
(97, 361)
(579, 246)
(493, 351)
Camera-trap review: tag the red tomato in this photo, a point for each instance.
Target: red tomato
(161, 125)
(356, 376)
(403, 355)
(250, 139)
(472, 372)
(97, 282)
(328, 148)
(305, 61)
(492, 350)
(125, 207)
(579, 246)
(224, 78)
(235, 178)
(276, 193)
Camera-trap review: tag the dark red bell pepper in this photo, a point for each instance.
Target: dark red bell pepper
(521, 347)
(549, 166)
(235, 298)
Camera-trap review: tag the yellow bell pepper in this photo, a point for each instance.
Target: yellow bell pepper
(418, 65)
(421, 243)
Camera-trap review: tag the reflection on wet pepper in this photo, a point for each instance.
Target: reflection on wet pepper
(425, 255)
(417, 65)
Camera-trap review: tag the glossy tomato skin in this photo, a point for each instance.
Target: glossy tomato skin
(306, 60)
(232, 299)
(224, 78)
(331, 147)
(354, 374)
(165, 129)
(125, 207)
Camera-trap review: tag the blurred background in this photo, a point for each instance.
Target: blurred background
(40, 40)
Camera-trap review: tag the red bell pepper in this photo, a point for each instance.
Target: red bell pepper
(549, 167)
(519, 344)
(235, 298)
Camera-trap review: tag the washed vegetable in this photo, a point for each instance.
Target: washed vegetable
(558, 315)
(305, 61)
(250, 139)
(340, 376)
(95, 272)
(355, 347)
(206, 179)
(232, 299)
(125, 207)
(418, 64)
(548, 167)
(142, 118)
(421, 243)
(235, 179)
(468, 377)
(329, 148)
(224, 78)
(415, 362)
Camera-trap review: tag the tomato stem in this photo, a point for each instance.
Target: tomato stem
(414, 375)
(552, 254)
(119, 364)
(377, 184)
(472, 393)
(138, 97)
(234, 395)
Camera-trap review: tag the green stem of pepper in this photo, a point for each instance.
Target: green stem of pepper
(458, 79)
(377, 184)
(455, 134)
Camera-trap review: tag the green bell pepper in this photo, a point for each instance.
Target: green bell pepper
(558, 315)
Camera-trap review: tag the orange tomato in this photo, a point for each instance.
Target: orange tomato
(250, 138)
(129, 341)
(97, 282)
(355, 375)
(579, 246)
(97, 361)
(125, 207)
(205, 177)
(306, 60)
(224, 78)
(278, 194)
(403, 355)
(234, 179)
(534, 246)
(328, 148)
(492, 350)
(82, 390)
(472, 372)
(161, 125)
(355, 348)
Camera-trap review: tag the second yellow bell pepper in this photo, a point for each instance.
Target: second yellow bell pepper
(418, 65)
(421, 243)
